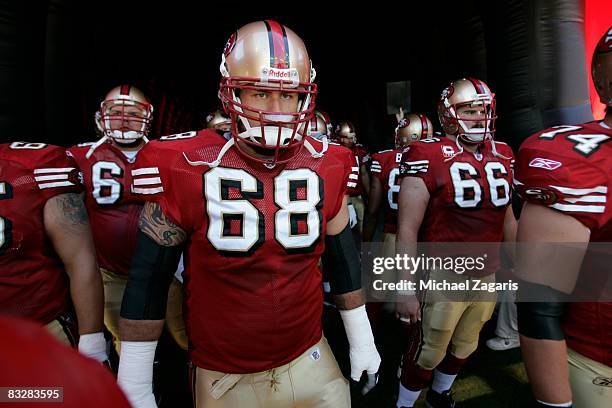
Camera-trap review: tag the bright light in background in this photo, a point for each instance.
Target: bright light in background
(597, 19)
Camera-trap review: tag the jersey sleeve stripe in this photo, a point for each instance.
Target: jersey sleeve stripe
(145, 171)
(56, 184)
(147, 181)
(353, 177)
(582, 191)
(422, 162)
(147, 190)
(54, 170)
(579, 208)
(351, 185)
(354, 168)
(587, 199)
(53, 177)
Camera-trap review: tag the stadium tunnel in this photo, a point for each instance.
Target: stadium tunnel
(59, 57)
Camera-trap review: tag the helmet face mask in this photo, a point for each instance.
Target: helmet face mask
(467, 110)
(125, 115)
(267, 58)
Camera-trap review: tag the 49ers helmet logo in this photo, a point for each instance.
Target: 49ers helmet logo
(447, 92)
(229, 46)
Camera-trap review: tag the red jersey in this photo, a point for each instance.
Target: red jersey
(113, 214)
(252, 281)
(385, 167)
(569, 169)
(33, 282)
(469, 193)
(31, 357)
(361, 158)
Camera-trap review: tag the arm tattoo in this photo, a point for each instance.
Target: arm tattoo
(156, 225)
(72, 209)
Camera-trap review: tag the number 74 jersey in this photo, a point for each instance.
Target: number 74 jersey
(253, 286)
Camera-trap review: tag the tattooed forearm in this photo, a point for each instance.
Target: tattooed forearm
(69, 210)
(156, 225)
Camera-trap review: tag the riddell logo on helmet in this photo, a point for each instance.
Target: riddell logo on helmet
(278, 74)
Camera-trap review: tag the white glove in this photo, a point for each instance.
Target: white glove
(179, 270)
(352, 216)
(362, 353)
(93, 345)
(135, 376)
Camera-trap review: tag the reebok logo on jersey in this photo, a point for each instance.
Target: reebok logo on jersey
(547, 164)
(316, 354)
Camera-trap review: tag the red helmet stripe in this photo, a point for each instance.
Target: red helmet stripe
(424, 125)
(279, 45)
(477, 85)
(125, 90)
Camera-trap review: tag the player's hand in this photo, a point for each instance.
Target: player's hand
(362, 350)
(353, 221)
(399, 115)
(365, 358)
(408, 309)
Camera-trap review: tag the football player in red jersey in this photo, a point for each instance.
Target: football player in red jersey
(346, 135)
(564, 174)
(31, 358)
(456, 189)
(384, 190)
(320, 126)
(384, 183)
(124, 118)
(46, 251)
(256, 212)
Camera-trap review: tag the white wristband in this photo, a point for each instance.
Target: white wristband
(357, 327)
(93, 345)
(135, 376)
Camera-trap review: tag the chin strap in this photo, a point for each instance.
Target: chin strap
(495, 153)
(103, 140)
(93, 147)
(313, 151)
(316, 154)
(493, 149)
(216, 162)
